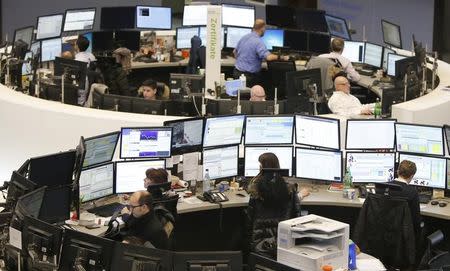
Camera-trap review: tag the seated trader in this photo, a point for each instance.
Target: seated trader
(157, 176)
(257, 94)
(142, 223)
(250, 52)
(81, 46)
(148, 90)
(67, 55)
(345, 104)
(337, 47)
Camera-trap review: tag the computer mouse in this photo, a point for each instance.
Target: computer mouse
(442, 204)
(434, 202)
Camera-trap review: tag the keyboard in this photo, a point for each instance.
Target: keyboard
(106, 210)
(424, 198)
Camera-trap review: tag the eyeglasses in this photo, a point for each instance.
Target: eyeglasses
(131, 207)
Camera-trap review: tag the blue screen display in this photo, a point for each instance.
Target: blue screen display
(273, 37)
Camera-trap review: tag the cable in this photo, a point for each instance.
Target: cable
(195, 105)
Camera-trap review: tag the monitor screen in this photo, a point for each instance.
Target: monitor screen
(273, 37)
(366, 167)
(309, 164)
(234, 15)
(447, 137)
(222, 131)
(69, 43)
(414, 138)
(221, 162)
(100, 149)
(296, 40)
(386, 51)
(195, 15)
(118, 17)
(35, 48)
(184, 36)
(79, 20)
(252, 165)
(130, 175)
(354, 51)
(317, 132)
(203, 33)
(187, 135)
(234, 35)
(370, 134)
(97, 182)
(49, 26)
(431, 171)
(337, 27)
(153, 17)
(24, 34)
(233, 86)
(391, 59)
(269, 130)
(146, 142)
(51, 49)
(373, 55)
(319, 43)
(391, 34)
(27, 69)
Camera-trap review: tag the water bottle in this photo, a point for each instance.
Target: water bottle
(206, 181)
(348, 179)
(377, 109)
(243, 80)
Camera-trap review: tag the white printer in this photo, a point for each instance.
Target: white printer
(310, 242)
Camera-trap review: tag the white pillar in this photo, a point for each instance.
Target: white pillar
(213, 50)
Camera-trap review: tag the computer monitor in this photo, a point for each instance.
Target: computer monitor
(69, 43)
(35, 48)
(431, 171)
(309, 164)
(132, 257)
(27, 68)
(281, 16)
(152, 142)
(371, 167)
(49, 26)
(79, 19)
(372, 134)
(252, 165)
(299, 87)
(56, 204)
(102, 41)
(50, 49)
(390, 97)
(391, 34)
(128, 39)
(234, 35)
(75, 72)
(354, 51)
(222, 131)
(386, 52)
(265, 107)
(273, 37)
(96, 182)
(118, 17)
(257, 262)
(319, 43)
(187, 135)
(337, 27)
(405, 66)
(277, 71)
(143, 106)
(42, 242)
(86, 251)
(186, 85)
(236, 15)
(296, 40)
(373, 55)
(130, 175)
(417, 138)
(312, 20)
(391, 59)
(53, 170)
(30, 204)
(221, 162)
(100, 149)
(184, 36)
(194, 15)
(317, 132)
(233, 86)
(19, 185)
(262, 130)
(203, 33)
(447, 137)
(24, 34)
(207, 260)
(153, 17)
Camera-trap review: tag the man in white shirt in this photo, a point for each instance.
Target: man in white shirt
(81, 46)
(344, 104)
(337, 47)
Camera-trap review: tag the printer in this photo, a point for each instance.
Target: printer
(310, 242)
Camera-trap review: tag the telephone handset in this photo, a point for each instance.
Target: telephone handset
(215, 197)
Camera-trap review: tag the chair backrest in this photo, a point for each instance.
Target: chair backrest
(324, 65)
(277, 71)
(170, 203)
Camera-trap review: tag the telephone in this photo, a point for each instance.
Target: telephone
(215, 197)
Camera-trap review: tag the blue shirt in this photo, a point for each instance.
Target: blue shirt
(250, 52)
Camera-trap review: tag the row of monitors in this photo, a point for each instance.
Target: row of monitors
(195, 134)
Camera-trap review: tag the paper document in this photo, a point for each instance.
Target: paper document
(190, 165)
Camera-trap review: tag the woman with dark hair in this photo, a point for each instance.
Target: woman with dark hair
(155, 176)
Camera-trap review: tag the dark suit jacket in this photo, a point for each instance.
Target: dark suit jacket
(148, 228)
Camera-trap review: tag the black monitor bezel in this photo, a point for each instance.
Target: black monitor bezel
(223, 147)
(47, 38)
(23, 28)
(387, 63)
(370, 149)
(370, 152)
(143, 173)
(187, 149)
(320, 150)
(184, 27)
(349, 38)
(387, 55)
(181, 258)
(318, 117)
(382, 53)
(97, 137)
(95, 167)
(270, 146)
(428, 156)
(239, 6)
(421, 125)
(121, 249)
(446, 128)
(226, 36)
(40, 59)
(399, 32)
(113, 29)
(267, 143)
(79, 9)
(152, 6)
(143, 128)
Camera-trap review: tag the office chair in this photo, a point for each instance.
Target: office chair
(277, 72)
